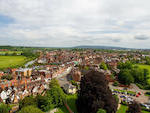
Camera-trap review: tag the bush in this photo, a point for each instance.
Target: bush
(43, 103)
(103, 66)
(116, 83)
(74, 83)
(101, 111)
(147, 93)
(4, 108)
(27, 101)
(30, 109)
(140, 86)
(116, 97)
(7, 77)
(124, 103)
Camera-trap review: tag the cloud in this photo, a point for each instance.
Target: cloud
(74, 22)
(141, 37)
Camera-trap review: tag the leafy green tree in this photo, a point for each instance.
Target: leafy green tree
(125, 77)
(56, 96)
(146, 73)
(101, 111)
(138, 75)
(4, 108)
(7, 77)
(30, 100)
(116, 97)
(54, 83)
(43, 103)
(126, 65)
(30, 109)
(116, 83)
(103, 66)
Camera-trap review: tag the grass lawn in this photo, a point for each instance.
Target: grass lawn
(145, 67)
(123, 109)
(12, 61)
(71, 99)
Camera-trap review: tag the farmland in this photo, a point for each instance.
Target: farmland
(12, 61)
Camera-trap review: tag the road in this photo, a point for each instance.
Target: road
(62, 79)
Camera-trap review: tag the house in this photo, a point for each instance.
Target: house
(24, 72)
(69, 88)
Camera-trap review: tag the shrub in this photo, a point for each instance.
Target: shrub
(4, 108)
(116, 83)
(7, 77)
(101, 111)
(27, 101)
(30, 109)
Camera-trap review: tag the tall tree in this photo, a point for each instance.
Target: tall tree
(125, 77)
(94, 93)
(134, 108)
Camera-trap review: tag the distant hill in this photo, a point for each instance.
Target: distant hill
(100, 47)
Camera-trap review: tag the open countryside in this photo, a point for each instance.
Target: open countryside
(74, 56)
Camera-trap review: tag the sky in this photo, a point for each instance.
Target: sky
(67, 23)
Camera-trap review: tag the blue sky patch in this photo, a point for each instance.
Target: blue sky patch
(5, 19)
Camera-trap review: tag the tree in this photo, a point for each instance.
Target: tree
(101, 111)
(4, 108)
(7, 77)
(125, 77)
(54, 83)
(30, 109)
(55, 95)
(103, 66)
(94, 93)
(146, 73)
(138, 75)
(27, 101)
(126, 65)
(43, 103)
(134, 108)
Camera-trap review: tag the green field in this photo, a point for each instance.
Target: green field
(123, 109)
(12, 61)
(144, 67)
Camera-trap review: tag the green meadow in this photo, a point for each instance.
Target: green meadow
(12, 61)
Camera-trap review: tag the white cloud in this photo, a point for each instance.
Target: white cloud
(76, 22)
